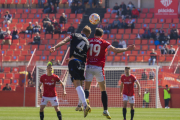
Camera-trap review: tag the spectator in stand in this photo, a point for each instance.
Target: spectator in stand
(174, 33)
(120, 13)
(128, 13)
(167, 96)
(130, 5)
(106, 29)
(115, 43)
(37, 40)
(153, 34)
(151, 75)
(100, 25)
(29, 29)
(172, 50)
(152, 57)
(146, 99)
(71, 29)
(123, 6)
(131, 24)
(116, 23)
(7, 18)
(135, 13)
(7, 39)
(165, 50)
(46, 8)
(74, 8)
(7, 31)
(41, 3)
(49, 28)
(144, 75)
(115, 8)
(147, 33)
(161, 32)
(124, 24)
(30, 83)
(75, 1)
(164, 39)
(53, 21)
(57, 28)
(157, 37)
(81, 8)
(45, 21)
(1, 33)
(7, 88)
(122, 44)
(70, 2)
(96, 3)
(63, 19)
(36, 28)
(56, 3)
(15, 33)
(53, 9)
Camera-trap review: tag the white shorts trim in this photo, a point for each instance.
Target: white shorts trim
(52, 100)
(91, 71)
(131, 99)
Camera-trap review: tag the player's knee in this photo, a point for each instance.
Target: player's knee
(57, 109)
(41, 109)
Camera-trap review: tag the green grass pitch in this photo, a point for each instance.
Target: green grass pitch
(68, 113)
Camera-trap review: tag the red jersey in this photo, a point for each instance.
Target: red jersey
(128, 82)
(49, 83)
(97, 52)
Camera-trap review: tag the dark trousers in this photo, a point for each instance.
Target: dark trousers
(166, 101)
(145, 104)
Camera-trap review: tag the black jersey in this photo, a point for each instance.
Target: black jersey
(79, 46)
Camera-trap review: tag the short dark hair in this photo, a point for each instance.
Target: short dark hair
(127, 68)
(166, 85)
(99, 32)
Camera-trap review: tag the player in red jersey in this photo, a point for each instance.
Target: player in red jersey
(127, 85)
(95, 66)
(49, 81)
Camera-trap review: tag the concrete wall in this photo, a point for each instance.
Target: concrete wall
(144, 3)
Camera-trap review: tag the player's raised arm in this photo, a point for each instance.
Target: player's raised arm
(64, 89)
(119, 50)
(121, 88)
(67, 39)
(139, 87)
(40, 84)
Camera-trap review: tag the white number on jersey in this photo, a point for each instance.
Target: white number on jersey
(95, 48)
(81, 45)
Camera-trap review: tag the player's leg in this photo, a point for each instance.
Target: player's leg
(79, 108)
(55, 104)
(132, 101)
(58, 112)
(43, 104)
(125, 99)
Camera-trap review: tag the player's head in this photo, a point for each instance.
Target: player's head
(166, 86)
(146, 90)
(127, 71)
(99, 32)
(49, 69)
(86, 30)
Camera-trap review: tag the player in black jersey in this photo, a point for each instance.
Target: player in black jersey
(79, 46)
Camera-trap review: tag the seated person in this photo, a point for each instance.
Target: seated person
(130, 5)
(120, 13)
(7, 18)
(152, 57)
(165, 50)
(172, 50)
(53, 21)
(45, 21)
(144, 75)
(153, 34)
(29, 29)
(63, 19)
(100, 25)
(115, 43)
(55, 3)
(81, 8)
(130, 24)
(128, 13)
(151, 75)
(147, 33)
(36, 28)
(164, 39)
(122, 44)
(1, 33)
(58, 29)
(7, 31)
(74, 8)
(107, 28)
(135, 13)
(174, 33)
(7, 88)
(37, 40)
(15, 33)
(46, 8)
(124, 24)
(115, 8)
(49, 28)
(71, 29)
(52, 9)
(7, 39)
(123, 6)
(116, 23)
(161, 32)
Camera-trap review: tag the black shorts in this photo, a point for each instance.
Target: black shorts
(76, 69)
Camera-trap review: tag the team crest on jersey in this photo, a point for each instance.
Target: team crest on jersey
(129, 79)
(52, 80)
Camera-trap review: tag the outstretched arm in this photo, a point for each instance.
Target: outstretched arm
(139, 88)
(52, 49)
(119, 50)
(64, 90)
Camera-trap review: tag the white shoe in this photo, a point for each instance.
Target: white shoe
(142, 106)
(168, 107)
(165, 107)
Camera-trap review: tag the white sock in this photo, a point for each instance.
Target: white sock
(106, 111)
(81, 95)
(79, 103)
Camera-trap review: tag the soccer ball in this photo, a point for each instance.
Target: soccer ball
(94, 18)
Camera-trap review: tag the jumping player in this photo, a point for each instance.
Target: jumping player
(49, 81)
(127, 85)
(79, 46)
(95, 66)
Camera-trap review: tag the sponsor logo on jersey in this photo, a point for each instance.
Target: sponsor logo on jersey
(127, 82)
(52, 80)
(48, 83)
(129, 79)
(45, 79)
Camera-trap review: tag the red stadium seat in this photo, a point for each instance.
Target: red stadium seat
(139, 59)
(33, 11)
(19, 11)
(134, 52)
(2, 1)
(146, 58)
(7, 69)
(59, 58)
(132, 36)
(121, 31)
(109, 58)
(172, 42)
(130, 42)
(38, 53)
(117, 59)
(147, 21)
(2, 75)
(145, 10)
(161, 20)
(16, 76)
(132, 58)
(16, 2)
(113, 16)
(135, 31)
(149, 15)
(175, 21)
(144, 42)
(141, 31)
(154, 20)
(169, 58)
(15, 69)
(126, 36)
(40, 11)
(51, 57)
(108, 10)
(54, 53)
(127, 31)
(10, 53)
(61, 53)
(21, 58)
(106, 15)
(7, 58)
(14, 58)
(23, 2)
(137, 26)
(152, 47)
(6, 81)
(46, 52)
(138, 47)
(114, 31)
(52, 42)
(140, 20)
(151, 10)
(13, 87)
(72, 16)
(161, 58)
(60, 10)
(142, 15)
(158, 26)
(43, 58)
(169, 20)
(166, 26)
(137, 42)
(67, 11)
(9, 75)
(0, 82)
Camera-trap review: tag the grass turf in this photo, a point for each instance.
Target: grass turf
(68, 113)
